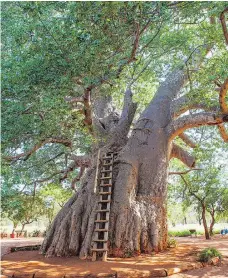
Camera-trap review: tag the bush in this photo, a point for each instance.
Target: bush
(171, 243)
(36, 233)
(179, 233)
(208, 253)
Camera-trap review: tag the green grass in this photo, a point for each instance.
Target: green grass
(179, 233)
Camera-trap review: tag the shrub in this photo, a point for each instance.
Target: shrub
(36, 233)
(179, 233)
(208, 253)
(171, 242)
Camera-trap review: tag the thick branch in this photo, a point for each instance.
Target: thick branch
(222, 96)
(223, 22)
(187, 140)
(78, 177)
(184, 172)
(120, 132)
(26, 155)
(178, 126)
(223, 132)
(183, 155)
(128, 111)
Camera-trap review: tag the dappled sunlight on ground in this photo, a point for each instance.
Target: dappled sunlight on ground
(141, 266)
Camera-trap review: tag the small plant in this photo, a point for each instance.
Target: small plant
(208, 253)
(171, 243)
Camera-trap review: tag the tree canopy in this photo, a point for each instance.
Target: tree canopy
(57, 52)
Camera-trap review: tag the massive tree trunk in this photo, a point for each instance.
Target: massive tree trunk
(138, 208)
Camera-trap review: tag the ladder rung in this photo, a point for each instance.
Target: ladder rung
(107, 157)
(100, 240)
(106, 171)
(107, 164)
(100, 230)
(101, 221)
(103, 210)
(105, 178)
(105, 193)
(104, 201)
(108, 184)
(99, 250)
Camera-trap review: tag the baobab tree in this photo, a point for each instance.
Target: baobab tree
(142, 138)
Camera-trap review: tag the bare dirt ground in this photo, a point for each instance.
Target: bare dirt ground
(142, 266)
(7, 244)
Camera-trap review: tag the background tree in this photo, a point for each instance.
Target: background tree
(205, 188)
(66, 67)
(54, 197)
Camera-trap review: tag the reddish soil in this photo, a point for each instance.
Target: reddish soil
(142, 266)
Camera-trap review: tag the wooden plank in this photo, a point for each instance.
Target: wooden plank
(101, 221)
(100, 240)
(99, 250)
(103, 210)
(101, 230)
(105, 193)
(97, 171)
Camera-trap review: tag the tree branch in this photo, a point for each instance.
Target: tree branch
(222, 96)
(126, 118)
(78, 177)
(179, 125)
(185, 172)
(26, 155)
(183, 155)
(187, 140)
(223, 132)
(223, 23)
(190, 191)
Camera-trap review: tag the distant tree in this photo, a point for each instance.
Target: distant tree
(203, 189)
(22, 209)
(54, 197)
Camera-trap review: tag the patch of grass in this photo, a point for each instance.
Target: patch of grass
(179, 233)
(208, 253)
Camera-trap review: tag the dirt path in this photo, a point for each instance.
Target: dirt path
(142, 266)
(7, 244)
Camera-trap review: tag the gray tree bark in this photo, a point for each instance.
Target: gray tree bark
(138, 208)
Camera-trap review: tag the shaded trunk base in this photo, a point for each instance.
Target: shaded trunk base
(137, 222)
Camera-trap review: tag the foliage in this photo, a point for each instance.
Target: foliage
(51, 50)
(208, 253)
(54, 197)
(36, 233)
(171, 243)
(183, 233)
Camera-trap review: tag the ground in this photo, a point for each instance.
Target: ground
(7, 244)
(184, 256)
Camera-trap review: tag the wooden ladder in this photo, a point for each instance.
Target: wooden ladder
(100, 236)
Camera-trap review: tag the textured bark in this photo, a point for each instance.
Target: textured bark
(212, 213)
(207, 235)
(138, 208)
